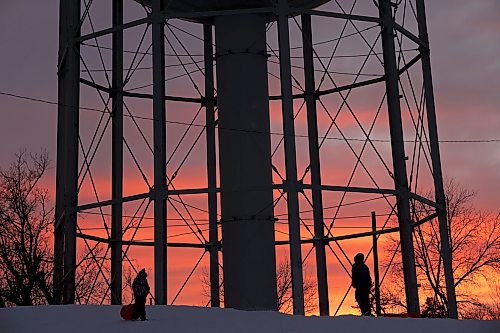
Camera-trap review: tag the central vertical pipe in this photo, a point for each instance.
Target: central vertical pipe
(245, 163)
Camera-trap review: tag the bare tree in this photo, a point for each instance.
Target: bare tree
(484, 310)
(205, 284)
(284, 287)
(91, 285)
(284, 283)
(25, 219)
(475, 246)
(26, 222)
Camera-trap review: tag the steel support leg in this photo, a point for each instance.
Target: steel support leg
(117, 156)
(159, 138)
(436, 162)
(378, 310)
(60, 174)
(314, 164)
(398, 156)
(67, 151)
(290, 158)
(211, 167)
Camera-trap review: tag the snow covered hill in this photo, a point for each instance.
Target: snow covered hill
(106, 319)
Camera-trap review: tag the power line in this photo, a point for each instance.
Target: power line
(39, 100)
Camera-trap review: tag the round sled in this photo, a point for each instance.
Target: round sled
(127, 311)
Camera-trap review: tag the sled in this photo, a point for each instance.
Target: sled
(127, 312)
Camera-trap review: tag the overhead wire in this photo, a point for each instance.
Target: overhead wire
(45, 101)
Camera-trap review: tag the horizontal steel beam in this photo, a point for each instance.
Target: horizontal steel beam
(334, 188)
(426, 201)
(351, 86)
(411, 36)
(139, 95)
(186, 191)
(134, 197)
(137, 197)
(212, 13)
(410, 63)
(104, 32)
(104, 203)
(403, 69)
(167, 97)
(294, 96)
(140, 243)
(312, 12)
(96, 86)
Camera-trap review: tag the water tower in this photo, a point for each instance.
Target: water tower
(239, 153)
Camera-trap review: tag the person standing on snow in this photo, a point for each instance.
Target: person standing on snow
(140, 287)
(362, 282)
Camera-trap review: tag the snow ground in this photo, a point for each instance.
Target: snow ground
(106, 319)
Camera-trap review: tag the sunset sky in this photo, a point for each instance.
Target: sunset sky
(465, 49)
